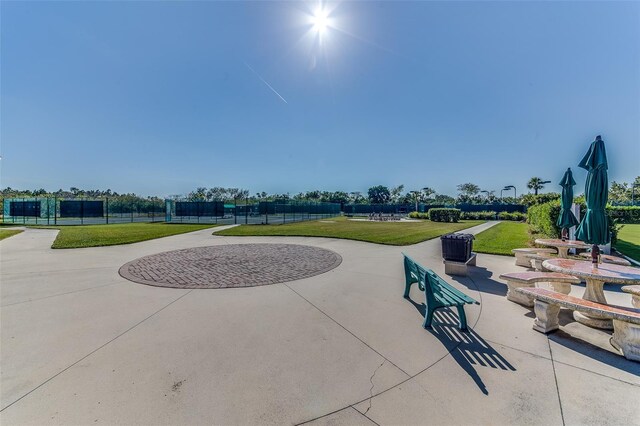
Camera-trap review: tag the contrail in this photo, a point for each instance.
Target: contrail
(268, 85)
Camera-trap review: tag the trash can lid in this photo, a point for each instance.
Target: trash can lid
(454, 236)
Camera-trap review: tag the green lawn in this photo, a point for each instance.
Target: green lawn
(502, 238)
(391, 233)
(6, 233)
(125, 233)
(629, 241)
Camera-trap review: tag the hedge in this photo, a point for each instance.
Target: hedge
(624, 214)
(542, 219)
(481, 215)
(516, 216)
(444, 215)
(418, 215)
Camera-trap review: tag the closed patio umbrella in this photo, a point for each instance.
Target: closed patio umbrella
(594, 227)
(566, 219)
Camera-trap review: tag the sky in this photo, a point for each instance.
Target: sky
(159, 98)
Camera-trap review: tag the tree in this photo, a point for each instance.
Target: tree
(443, 199)
(536, 184)
(468, 189)
(339, 197)
(396, 193)
(356, 197)
(379, 194)
(426, 192)
(619, 192)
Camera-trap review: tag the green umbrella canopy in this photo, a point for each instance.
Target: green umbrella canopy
(594, 227)
(566, 219)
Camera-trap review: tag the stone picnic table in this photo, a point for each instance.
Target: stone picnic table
(562, 246)
(595, 277)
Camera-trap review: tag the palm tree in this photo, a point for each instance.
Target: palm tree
(536, 184)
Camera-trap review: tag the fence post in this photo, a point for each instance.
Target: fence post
(55, 210)
(48, 211)
(81, 212)
(36, 210)
(107, 207)
(235, 210)
(131, 211)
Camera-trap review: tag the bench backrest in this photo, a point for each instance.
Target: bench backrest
(430, 283)
(415, 272)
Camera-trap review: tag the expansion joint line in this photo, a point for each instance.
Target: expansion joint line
(95, 350)
(555, 377)
(347, 330)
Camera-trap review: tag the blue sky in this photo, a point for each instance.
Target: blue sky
(161, 97)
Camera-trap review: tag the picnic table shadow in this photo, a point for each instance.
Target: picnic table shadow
(576, 340)
(467, 348)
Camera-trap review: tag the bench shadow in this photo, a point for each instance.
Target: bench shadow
(468, 349)
(479, 279)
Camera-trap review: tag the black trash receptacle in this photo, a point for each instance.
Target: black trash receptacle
(457, 247)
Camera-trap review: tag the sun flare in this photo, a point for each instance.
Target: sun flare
(320, 20)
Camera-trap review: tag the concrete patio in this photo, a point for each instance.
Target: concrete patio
(82, 345)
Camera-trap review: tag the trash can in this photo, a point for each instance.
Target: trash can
(457, 247)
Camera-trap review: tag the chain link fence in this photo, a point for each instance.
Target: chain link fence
(80, 211)
(245, 212)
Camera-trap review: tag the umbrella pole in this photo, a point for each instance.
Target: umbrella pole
(595, 255)
(564, 234)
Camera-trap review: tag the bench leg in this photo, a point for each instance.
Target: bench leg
(514, 296)
(407, 289)
(463, 318)
(626, 339)
(522, 261)
(546, 317)
(561, 287)
(428, 318)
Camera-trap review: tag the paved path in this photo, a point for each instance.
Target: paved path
(82, 345)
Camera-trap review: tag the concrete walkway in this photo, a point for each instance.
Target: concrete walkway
(82, 345)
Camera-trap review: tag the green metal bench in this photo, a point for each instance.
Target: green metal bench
(438, 293)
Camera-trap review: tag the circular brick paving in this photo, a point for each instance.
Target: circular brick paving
(233, 265)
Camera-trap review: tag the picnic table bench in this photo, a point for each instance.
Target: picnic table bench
(520, 253)
(634, 291)
(438, 293)
(626, 321)
(559, 282)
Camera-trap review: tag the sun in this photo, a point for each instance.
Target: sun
(320, 20)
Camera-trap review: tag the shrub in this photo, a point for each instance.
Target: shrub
(542, 220)
(418, 215)
(444, 215)
(624, 214)
(481, 215)
(515, 216)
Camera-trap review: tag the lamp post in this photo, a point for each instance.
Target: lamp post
(507, 187)
(544, 182)
(415, 196)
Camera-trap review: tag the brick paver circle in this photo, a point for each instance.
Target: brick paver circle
(232, 265)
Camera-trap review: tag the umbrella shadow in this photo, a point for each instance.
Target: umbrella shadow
(482, 281)
(468, 348)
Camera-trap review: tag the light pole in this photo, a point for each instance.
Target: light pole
(506, 188)
(544, 182)
(415, 196)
